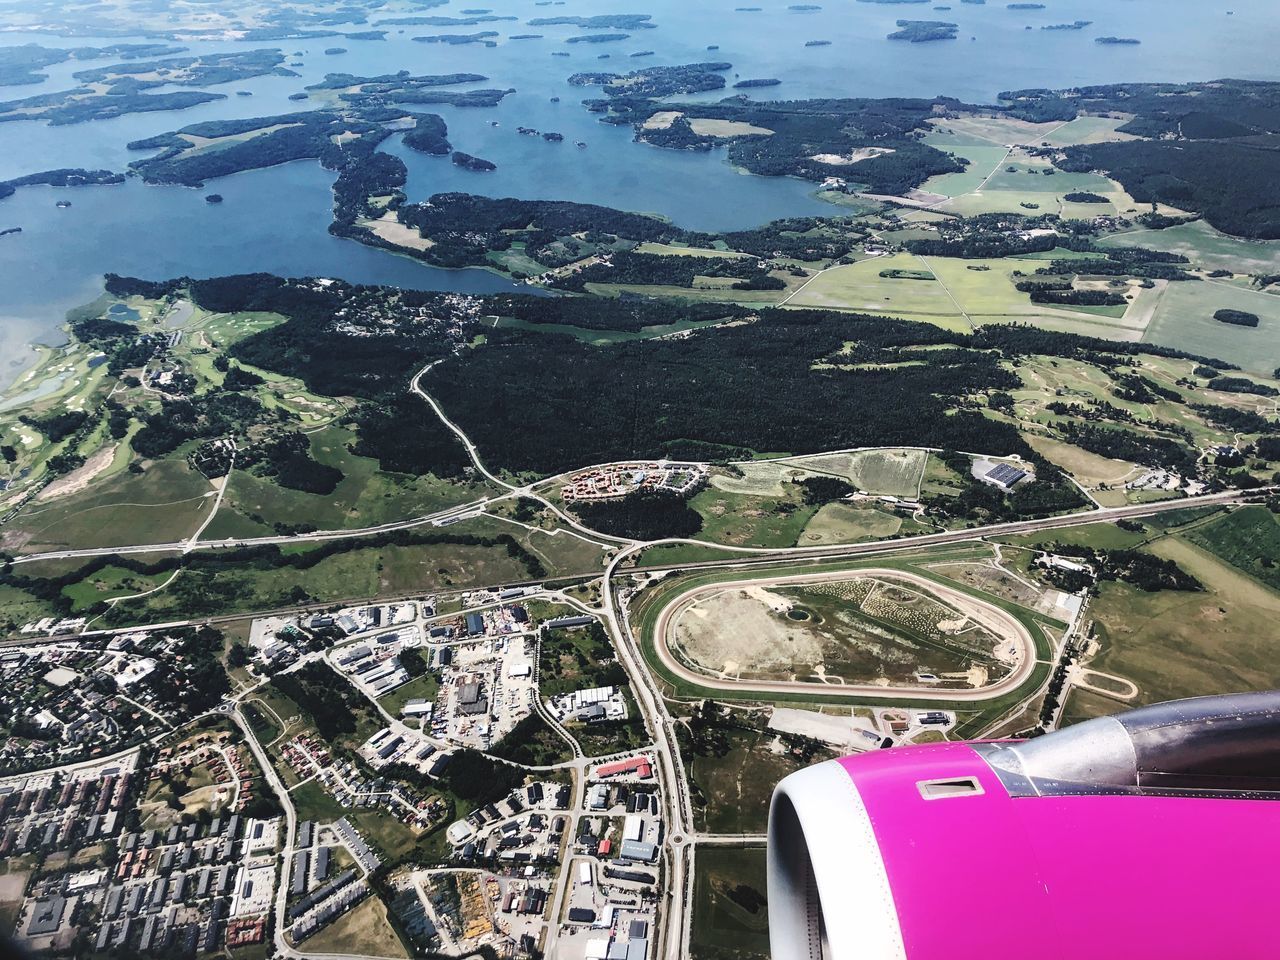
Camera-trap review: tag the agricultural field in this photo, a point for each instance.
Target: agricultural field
(1082, 130)
(984, 156)
(1184, 319)
(676, 250)
(1204, 246)
(860, 630)
(880, 472)
(1247, 538)
(860, 286)
(730, 912)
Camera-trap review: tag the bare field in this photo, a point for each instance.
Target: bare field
(881, 472)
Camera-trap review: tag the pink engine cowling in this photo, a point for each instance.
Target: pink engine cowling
(1155, 834)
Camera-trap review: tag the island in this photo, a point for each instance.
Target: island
(334, 51)
(213, 198)
(552, 137)
(1025, 6)
(923, 31)
(617, 21)
(64, 177)
(454, 39)
(468, 162)
(762, 82)
(9, 231)
(1117, 41)
(1077, 25)
(598, 38)
(817, 43)
(655, 82)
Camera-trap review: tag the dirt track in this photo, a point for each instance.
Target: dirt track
(988, 614)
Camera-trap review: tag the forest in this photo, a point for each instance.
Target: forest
(676, 271)
(684, 398)
(607, 313)
(1229, 182)
(642, 515)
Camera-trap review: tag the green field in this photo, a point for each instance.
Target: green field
(738, 783)
(1084, 705)
(984, 156)
(730, 915)
(166, 503)
(1182, 644)
(1084, 130)
(846, 523)
(364, 573)
(1204, 247)
(424, 687)
(1247, 538)
(602, 337)
(859, 286)
(1184, 320)
(742, 520)
(674, 250)
(366, 496)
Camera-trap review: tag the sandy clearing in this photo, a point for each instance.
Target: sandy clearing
(856, 155)
(661, 120)
(79, 478)
(706, 127)
(388, 228)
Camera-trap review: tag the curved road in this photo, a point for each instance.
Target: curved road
(1008, 624)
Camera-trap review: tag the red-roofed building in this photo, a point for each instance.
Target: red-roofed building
(640, 766)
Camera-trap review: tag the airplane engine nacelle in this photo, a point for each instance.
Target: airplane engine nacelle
(1154, 834)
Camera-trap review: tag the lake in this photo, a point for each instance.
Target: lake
(276, 220)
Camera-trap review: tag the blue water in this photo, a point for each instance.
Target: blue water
(276, 219)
